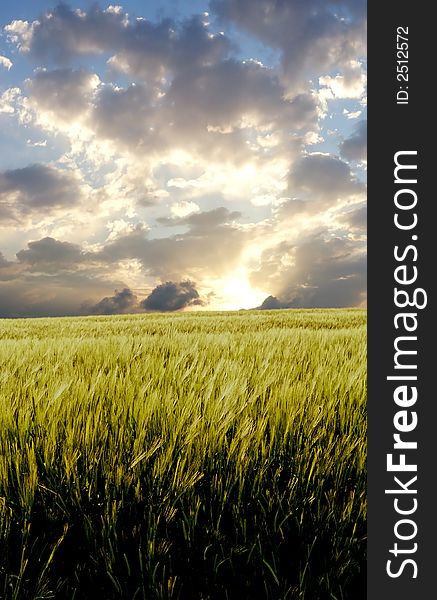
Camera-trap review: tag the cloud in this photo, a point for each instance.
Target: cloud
(65, 93)
(233, 95)
(203, 222)
(8, 269)
(3, 261)
(211, 246)
(323, 176)
(319, 271)
(40, 144)
(37, 190)
(120, 303)
(142, 48)
(50, 255)
(63, 32)
(313, 36)
(355, 146)
(129, 118)
(184, 208)
(271, 303)
(10, 100)
(317, 184)
(49, 295)
(53, 278)
(148, 50)
(356, 218)
(352, 84)
(176, 161)
(172, 296)
(5, 62)
(290, 208)
(353, 114)
(210, 111)
(185, 91)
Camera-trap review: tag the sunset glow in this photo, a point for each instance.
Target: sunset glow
(218, 143)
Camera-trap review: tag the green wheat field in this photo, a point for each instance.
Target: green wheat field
(194, 456)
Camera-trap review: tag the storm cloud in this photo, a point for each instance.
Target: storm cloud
(121, 302)
(37, 190)
(319, 272)
(172, 296)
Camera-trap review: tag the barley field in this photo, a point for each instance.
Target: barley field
(193, 456)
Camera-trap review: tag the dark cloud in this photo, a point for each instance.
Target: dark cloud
(50, 255)
(325, 177)
(60, 293)
(148, 50)
(181, 255)
(65, 92)
(222, 94)
(62, 33)
(142, 48)
(120, 303)
(172, 296)
(53, 278)
(316, 183)
(20, 299)
(8, 269)
(37, 189)
(128, 116)
(312, 35)
(355, 146)
(320, 271)
(271, 303)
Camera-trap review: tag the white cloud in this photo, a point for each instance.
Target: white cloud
(352, 114)
(20, 33)
(6, 62)
(118, 228)
(184, 208)
(312, 137)
(10, 100)
(41, 144)
(350, 84)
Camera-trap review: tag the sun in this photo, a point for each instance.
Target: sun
(236, 292)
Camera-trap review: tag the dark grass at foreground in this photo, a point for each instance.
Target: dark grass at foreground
(193, 456)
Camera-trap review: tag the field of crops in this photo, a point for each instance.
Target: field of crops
(196, 456)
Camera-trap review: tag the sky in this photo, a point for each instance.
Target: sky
(181, 155)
